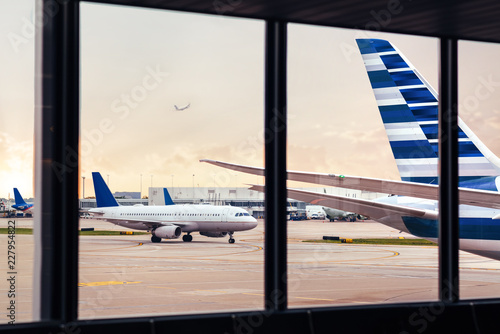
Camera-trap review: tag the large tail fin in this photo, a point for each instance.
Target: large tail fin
(168, 199)
(103, 195)
(18, 198)
(409, 109)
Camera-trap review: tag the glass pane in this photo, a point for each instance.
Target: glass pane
(16, 165)
(345, 122)
(160, 91)
(479, 168)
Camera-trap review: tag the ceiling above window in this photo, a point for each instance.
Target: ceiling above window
(472, 20)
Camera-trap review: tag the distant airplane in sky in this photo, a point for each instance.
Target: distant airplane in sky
(169, 221)
(182, 108)
(20, 204)
(409, 109)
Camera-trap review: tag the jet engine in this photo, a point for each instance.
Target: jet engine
(214, 234)
(167, 232)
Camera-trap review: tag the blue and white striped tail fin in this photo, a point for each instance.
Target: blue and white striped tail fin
(409, 109)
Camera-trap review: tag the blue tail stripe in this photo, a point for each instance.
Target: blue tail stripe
(373, 45)
(430, 130)
(393, 61)
(380, 79)
(417, 95)
(103, 195)
(435, 148)
(412, 149)
(396, 113)
(425, 113)
(405, 78)
(461, 134)
(468, 149)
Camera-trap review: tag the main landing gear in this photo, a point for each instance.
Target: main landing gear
(187, 238)
(155, 239)
(231, 239)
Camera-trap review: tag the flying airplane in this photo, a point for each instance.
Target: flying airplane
(182, 108)
(21, 205)
(408, 106)
(169, 221)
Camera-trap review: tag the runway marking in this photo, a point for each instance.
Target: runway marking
(112, 249)
(105, 283)
(193, 257)
(257, 248)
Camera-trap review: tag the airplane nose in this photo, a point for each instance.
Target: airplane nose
(253, 223)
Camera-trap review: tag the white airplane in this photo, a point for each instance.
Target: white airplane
(409, 109)
(331, 214)
(169, 221)
(315, 212)
(21, 204)
(182, 108)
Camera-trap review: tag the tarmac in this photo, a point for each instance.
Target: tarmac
(128, 276)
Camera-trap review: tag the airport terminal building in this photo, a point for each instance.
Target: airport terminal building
(250, 200)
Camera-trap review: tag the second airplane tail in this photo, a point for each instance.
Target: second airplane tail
(18, 198)
(168, 199)
(103, 195)
(409, 109)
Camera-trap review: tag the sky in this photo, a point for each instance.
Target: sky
(136, 64)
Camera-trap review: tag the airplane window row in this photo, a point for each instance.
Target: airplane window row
(171, 214)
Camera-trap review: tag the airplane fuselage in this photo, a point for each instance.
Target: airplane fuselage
(479, 233)
(191, 218)
(27, 208)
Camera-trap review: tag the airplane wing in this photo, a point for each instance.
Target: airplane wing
(483, 198)
(382, 212)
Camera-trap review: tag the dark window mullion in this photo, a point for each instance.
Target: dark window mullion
(56, 164)
(448, 173)
(275, 172)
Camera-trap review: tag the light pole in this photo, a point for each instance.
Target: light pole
(83, 195)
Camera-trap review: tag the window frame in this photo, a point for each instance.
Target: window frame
(56, 215)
